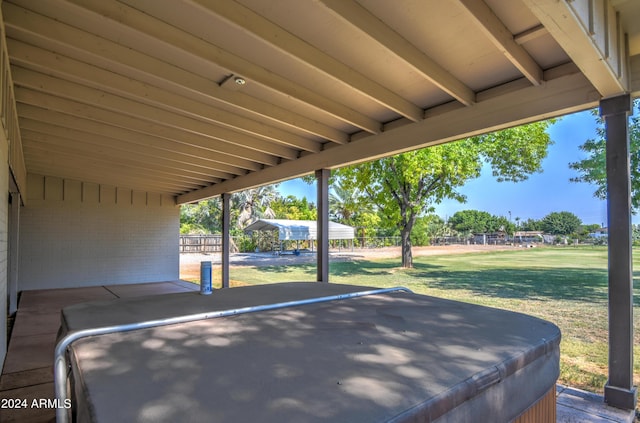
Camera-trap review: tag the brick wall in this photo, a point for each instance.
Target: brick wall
(76, 234)
(4, 213)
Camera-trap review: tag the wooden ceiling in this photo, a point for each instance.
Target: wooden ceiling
(194, 98)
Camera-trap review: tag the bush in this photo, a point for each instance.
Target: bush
(245, 244)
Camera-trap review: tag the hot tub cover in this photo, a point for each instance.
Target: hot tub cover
(387, 358)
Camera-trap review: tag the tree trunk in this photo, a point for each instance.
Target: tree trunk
(407, 256)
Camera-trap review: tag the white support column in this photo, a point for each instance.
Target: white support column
(14, 225)
(619, 390)
(322, 178)
(226, 238)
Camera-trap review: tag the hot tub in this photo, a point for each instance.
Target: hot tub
(392, 357)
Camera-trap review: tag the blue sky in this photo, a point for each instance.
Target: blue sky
(534, 198)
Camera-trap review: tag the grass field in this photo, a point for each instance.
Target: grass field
(567, 286)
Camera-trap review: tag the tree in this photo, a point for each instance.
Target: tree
(531, 225)
(560, 223)
(406, 186)
(343, 204)
(247, 206)
(428, 228)
(254, 204)
(293, 208)
(469, 222)
(501, 224)
(593, 170)
(203, 217)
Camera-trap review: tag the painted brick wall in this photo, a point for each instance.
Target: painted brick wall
(4, 213)
(76, 234)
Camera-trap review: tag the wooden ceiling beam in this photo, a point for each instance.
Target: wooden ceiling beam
(65, 166)
(102, 131)
(160, 35)
(356, 15)
(40, 160)
(153, 74)
(256, 140)
(119, 120)
(565, 94)
(140, 185)
(502, 38)
(298, 49)
(70, 158)
(107, 152)
(172, 158)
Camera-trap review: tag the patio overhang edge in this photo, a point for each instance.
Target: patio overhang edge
(556, 97)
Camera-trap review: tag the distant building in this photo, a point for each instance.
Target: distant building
(528, 237)
(600, 233)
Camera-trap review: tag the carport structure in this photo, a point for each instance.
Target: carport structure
(300, 230)
(115, 113)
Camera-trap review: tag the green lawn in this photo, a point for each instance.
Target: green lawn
(565, 285)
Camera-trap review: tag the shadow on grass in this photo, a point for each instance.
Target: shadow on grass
(557, 283)
(305, 268)
(560, 283)
(339, 268)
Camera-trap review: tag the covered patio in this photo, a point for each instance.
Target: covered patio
(116, 112)
(28, 374)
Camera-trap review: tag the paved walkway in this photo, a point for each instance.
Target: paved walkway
(577, 406)
(28, 368)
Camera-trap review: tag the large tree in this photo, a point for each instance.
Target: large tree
(593, 169)
(406, 186)
(469, 222)
(561, 223)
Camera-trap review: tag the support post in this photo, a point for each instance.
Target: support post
(14, 225)
(322, 178)
(226, 238)
(619, 390)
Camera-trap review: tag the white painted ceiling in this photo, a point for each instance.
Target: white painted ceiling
(144, 93)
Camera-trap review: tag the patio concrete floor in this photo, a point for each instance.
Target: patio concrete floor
(28, 368)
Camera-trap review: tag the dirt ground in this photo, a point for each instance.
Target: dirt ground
(190, 262)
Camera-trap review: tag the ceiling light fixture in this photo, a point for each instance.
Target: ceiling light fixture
(232, 82)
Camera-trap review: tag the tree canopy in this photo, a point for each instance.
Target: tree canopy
(593, 169)
(479, 222)
(201, 218)
(561, 223)
(408, 185)
(293, 208)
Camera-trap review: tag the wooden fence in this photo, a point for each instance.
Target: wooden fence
(200, 243)
(213, 243)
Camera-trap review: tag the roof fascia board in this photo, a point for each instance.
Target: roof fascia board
(591, 34)
(634, 75)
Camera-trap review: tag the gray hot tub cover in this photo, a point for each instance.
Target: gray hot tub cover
(389, 358)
